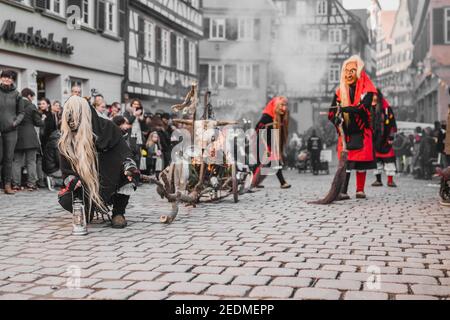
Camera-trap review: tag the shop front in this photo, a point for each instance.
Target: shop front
(50, 58)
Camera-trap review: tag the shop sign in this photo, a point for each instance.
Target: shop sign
(34, 39)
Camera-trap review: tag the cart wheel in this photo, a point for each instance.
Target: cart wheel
(235, 183)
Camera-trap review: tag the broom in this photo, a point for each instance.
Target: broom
(341, 173)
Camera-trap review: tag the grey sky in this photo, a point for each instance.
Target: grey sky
(358, 4)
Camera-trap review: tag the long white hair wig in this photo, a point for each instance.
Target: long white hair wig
(78, 147)
(345, 99)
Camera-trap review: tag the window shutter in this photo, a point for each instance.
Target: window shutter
(158, 47)
(231, 26)
(101, 15)
(123, 24)
(438, 26)
(173, 49)
(256, 75)
(186, 55)
(257, 29)
(206, 28)
(231, 76)
(141, 37)
(40, 5)
(204, 76)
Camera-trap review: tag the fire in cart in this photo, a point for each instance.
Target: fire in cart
(205, 168)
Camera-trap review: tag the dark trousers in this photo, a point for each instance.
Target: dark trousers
(7, 145)
(119, 201)
(315, 161)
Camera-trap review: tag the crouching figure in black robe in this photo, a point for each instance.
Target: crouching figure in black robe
(96, 163)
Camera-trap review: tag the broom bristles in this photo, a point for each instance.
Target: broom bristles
(338, 182)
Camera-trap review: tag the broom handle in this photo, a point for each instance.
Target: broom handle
(341, 131)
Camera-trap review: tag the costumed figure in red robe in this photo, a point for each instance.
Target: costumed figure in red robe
(352, 104)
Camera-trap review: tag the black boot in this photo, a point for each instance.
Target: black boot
(379, 182)
(120, 202)
(344, 191)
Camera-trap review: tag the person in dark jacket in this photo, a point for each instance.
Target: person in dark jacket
(385, 128)
(165, 137)
(439, 136)
(51, 161)
(315, 148)
(95, 162)
(427, 152)
(27, 146)
(135, 117)
(12, 112)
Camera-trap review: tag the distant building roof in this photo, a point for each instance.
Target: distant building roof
(387, 23)
(363, 16)
(240, 4)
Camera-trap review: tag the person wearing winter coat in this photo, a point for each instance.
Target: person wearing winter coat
(51, 161)
(95, 162)
(385, 128)
(12, 112)
(28, 145)
(155, 155)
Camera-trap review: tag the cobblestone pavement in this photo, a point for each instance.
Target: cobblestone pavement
(272, 245)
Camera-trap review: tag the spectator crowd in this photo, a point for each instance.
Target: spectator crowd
(29, 135)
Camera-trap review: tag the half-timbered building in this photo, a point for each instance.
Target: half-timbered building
(162, 51)
(314, 38)
(234, 56)
(52, 48)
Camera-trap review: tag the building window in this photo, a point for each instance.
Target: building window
(25, 2)
(282, 7)
(447, 25)
(165, 48)
(180, 53)
(246, 26)
(334, 73)
(87, 12)
(192, 58)
(313, 35)
(245, 76)
(111, 16)
(301, 8)
(322, 8)
(149, 41)
(217, 29)
(216, 76)
(335, 36)
(195, 4)
(56, 6)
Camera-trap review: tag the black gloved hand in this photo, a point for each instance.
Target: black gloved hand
(338, 120)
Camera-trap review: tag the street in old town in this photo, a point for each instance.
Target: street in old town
(271, 245)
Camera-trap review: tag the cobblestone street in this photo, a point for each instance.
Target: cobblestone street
(272, 245)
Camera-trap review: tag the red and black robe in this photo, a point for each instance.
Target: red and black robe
(357, 125)
(385, 130)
